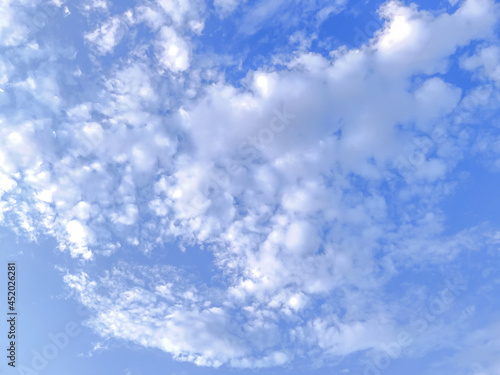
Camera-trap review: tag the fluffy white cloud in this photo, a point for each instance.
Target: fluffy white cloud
(173, 51)
(108, 35)
(12, 31)
(318, 181)
(486, 58)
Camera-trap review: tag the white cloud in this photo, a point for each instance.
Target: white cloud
(173, 52)
(89, 6)
(107, 36)
(12, 31)
(80, 237)
(285, 182)
(486, 58)
(180, 11)
(225, 7)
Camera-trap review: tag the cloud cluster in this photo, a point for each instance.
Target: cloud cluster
(314, 185)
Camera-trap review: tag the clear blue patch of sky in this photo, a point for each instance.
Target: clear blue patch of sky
(475, 199)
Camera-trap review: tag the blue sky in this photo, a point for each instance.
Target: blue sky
(241, 187)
